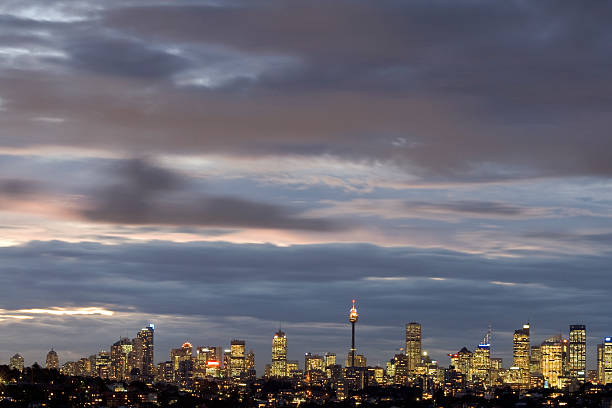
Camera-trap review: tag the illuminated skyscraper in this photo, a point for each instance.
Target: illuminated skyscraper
(552, 361)
(119, 359)
(237, 358)
(279, 355)
(330, 359)
(16, 362)
(249, 361)
(227, 363)
(481, 364)
(293, 367)
(208, 362)
(535, 361)
(413, 345)
(182, 363)
(520, 352)
(145, 351)
(314, 362)
(577, 352)
(604, 361)
(463, 362)
(103, 364)
(52, 360)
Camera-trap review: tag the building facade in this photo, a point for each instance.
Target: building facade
(413, 345)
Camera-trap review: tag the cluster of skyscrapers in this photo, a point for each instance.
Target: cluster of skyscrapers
(558, 362)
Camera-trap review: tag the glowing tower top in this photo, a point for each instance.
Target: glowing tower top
(353, 315)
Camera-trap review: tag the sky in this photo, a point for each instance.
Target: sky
(220, 168)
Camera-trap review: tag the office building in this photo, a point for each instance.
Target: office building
(145, 352)
(237, 358)
(16, 362)
(552, 362)
(604, 361)
(520, 353)
(279, 355)
(52, 360)
(577, 352)
(314, 362)
(413, 345)
(119, 359)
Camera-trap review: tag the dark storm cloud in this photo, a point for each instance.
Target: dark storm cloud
(148, 194)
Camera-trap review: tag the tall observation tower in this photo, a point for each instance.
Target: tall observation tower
(353, 317)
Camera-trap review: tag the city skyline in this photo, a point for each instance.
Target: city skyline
(218, 166)
(508, 355)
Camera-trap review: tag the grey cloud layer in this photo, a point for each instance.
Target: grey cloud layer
(472, 90)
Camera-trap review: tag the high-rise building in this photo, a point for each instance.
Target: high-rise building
(145, 354)
(119, 359)
(16, 362)
(314, 362)
(535, 361)
(293, 368)
(520, 353)
(481, 364)
(208, 361)
(279, 355)
(360, 360)
(237, 358)
(330, 359)
(497, 366)
(577, 352)
(249, 360)
(464, 361)
(399, 368)
(552, 361)
(52, 360)
(413, 345)
(604, 361)
(103, 364)
(182, 363)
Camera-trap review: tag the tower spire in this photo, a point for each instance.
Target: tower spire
(353, 317)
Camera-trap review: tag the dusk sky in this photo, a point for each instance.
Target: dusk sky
(217, 167)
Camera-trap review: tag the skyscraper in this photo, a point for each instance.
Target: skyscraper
(577, 352)
(481, 363)
(182, 363)
(52, 360)
(279, 355)
(314, 362)
(237, 358)
(16, 362)
(330, 359)
(103, 364)
(413, 345)
(605, 361)
(520, 352)
(145, 352)
(208, 362)
(463, 363)
(119, 358)
(552, 361)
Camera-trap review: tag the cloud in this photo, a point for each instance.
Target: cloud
(476, 91)
(16, 187)
(147, 194)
